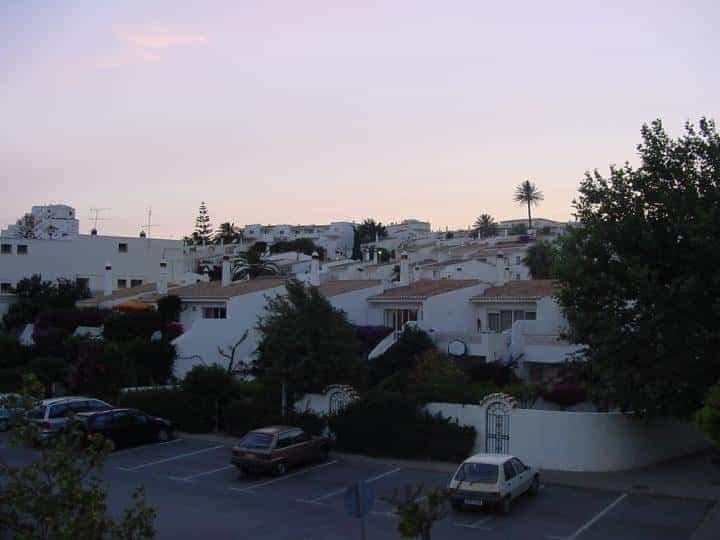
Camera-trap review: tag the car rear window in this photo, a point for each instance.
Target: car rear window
(37, 412)
(256, 440)
(482, 473)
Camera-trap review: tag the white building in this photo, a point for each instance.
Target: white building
(336, 239)
(408, 230)
(51, 222)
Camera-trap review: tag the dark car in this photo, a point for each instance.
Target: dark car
(275, 449)
(126, 427)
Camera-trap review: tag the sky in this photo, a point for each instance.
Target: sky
(312, 111)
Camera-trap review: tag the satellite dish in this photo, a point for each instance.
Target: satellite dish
(457, 348)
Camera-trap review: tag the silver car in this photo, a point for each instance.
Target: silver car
(51, 414)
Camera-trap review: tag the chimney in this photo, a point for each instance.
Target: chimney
(162, 282)
(500, 266)
(108, 288)
(404, 269)
(315, 270)
(226, 278)
(375, 255)
(416, 273)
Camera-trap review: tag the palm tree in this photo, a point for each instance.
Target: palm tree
(485, 226)
(253, 264)
(226, 233)
(528, 193)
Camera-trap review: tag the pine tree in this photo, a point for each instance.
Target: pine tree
(203, 228)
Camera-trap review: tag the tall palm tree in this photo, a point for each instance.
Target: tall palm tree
(485, 226)
(528, 193)
(253, 264)
(226, 233)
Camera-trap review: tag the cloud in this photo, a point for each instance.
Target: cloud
(155, 37)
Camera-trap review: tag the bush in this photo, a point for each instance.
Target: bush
(48, 370)
(390, 424)
(707, 419)
(168, 308)
(11, 379)
(188, 412)
(243, 415)
(402, 355)
(12, 354)
(566, 394)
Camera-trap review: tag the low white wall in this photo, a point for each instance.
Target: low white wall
(583, 441)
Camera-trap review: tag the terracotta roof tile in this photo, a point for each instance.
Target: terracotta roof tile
(424, 288)
(519, 290)
(333, 288)
(214, 289)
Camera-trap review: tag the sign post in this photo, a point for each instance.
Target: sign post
(359, 500)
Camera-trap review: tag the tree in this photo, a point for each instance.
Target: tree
(229, 354)
(203, 228)
(253, 264)
(370, 231)
(306, 344)
(227, 233)
(419, 513)
(169, 307)
(356, 251)
(639, 283)
(449, 235)
(485, 226)
(300, 245)
(707, 419)
(25, 227)
(59, 494)
(540, 259)
(527, 193)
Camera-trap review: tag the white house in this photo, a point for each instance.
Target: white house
(51, 222)
(336, 239)
(408, 229)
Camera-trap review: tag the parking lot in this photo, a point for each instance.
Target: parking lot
(199, 494)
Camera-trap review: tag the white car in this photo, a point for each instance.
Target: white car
(491, 480)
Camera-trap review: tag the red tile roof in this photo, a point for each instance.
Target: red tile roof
(424, 288)
(531, 289)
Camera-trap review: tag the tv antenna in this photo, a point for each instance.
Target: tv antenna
(95, 216)
(148, 226)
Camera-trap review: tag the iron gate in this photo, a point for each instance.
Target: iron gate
(497, 429)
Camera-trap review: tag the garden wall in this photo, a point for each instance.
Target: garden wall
(583, 441)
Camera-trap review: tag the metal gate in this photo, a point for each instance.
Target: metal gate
(497, 429)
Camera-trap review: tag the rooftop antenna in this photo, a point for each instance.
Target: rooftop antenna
(95, 217)
(148, 226)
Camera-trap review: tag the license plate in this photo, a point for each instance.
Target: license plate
(474, 502)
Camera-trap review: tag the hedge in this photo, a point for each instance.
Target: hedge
(389, 424)
(188, 412)
(243, 415)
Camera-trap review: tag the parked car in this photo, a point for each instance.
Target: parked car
(277, 448)
(10, 410)
(51, 415)
(124, 427)
(491, 480)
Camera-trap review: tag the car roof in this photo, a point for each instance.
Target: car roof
(273, 429)
(63, 399)
(491, 459)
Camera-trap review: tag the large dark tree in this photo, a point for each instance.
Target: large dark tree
(203, 228)
(640, 274)
(528, 194)
(370, 229)
(227, 233)
(540, 259)
(306, 344)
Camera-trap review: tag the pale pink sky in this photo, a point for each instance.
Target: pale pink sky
(309, 111)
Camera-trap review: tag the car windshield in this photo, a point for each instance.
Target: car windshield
(37, 412)
(256, 440)
(482, 473)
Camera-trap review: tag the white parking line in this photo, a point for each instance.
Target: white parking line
(476, 525)
(590, 523)
(318, 500)
(180, 456)
(143, 447)
(192, 477)
(251, 488)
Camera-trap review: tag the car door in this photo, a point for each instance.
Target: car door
(523, 475)
(511, 479)
(303, 447)
(143, 429)
(282, 448)
(122, 428)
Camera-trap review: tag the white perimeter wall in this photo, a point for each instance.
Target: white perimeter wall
(355, 305)
(583, 441)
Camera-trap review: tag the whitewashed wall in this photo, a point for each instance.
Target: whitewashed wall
(355, 305)
(452, 311)
(583, 441)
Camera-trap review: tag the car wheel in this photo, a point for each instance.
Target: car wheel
(163, 436)
(534, 487)
(505, 506)
(280, 468)
(457, 506)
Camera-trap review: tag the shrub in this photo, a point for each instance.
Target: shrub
(11, 379)
(707, 419)
(566, 394)
(153, 361)
(133, 324)
(390, 424)
(12, 354)
(243, 415)
(402, 355)
(188, 412)
(48, 370)
(168, 308)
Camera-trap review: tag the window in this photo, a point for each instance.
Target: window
(518, 259)
(80, 406)
(97, 405)
(59, 411)
(122, 248)
(396, 318)
(298, 436)
(135, 282)
(518, 316)
(519, 466)
(5, 287)
(285, 439)
(6, 249)
(483, 473)
(256, 440)
(509, 470)
(499, 321)
(22, 249)
(479, 325)
(214, 313)
(506, 320)
(494, 321)
(530, 315)
(100, 421)
(121, 283)
(82, 282)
